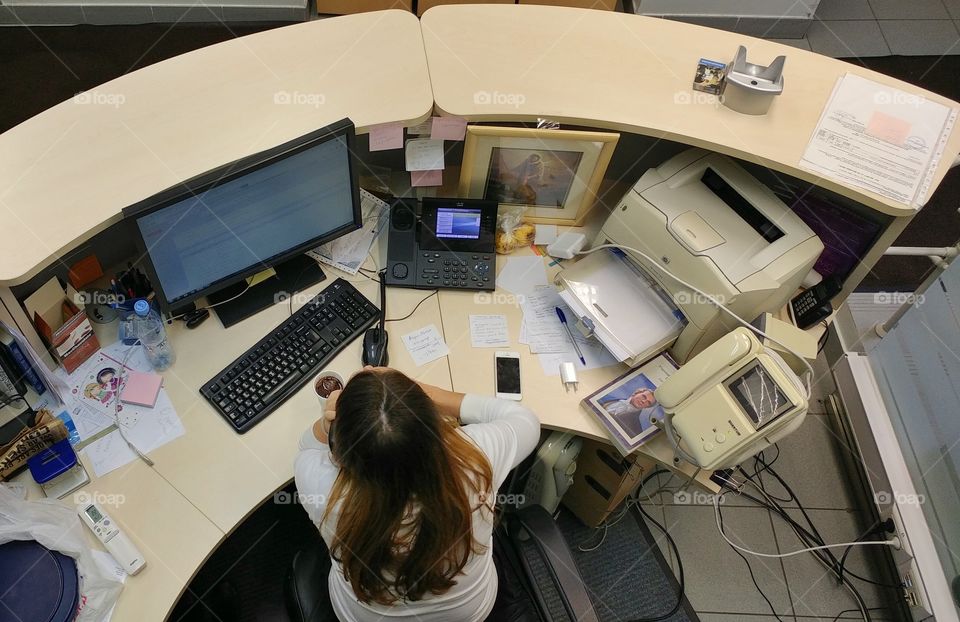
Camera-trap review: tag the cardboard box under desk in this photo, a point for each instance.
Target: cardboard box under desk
(603, 479)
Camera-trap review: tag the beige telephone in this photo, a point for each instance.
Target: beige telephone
(731, 401)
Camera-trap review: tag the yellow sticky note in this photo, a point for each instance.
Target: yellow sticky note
(260, 277)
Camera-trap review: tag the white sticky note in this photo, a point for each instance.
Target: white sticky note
(489, 331)
(521, 274)
(425, 345)
(424, 154)
(386, 136)
(544, 234)
(448, 128)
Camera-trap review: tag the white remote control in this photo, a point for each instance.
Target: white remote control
(117, 542)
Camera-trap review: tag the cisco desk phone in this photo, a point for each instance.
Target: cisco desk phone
(447, 243)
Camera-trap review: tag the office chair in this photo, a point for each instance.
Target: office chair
(525, 540)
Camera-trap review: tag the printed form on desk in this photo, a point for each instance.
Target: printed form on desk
(541, 329)
(880, 139)
(91, 404)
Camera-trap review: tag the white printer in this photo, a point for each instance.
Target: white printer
(711, 223)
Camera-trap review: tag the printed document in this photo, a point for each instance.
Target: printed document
(880, 139)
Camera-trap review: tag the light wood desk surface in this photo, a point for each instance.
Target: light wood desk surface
(633, 73)
(174, 537)
(227, 475)
(67, 173)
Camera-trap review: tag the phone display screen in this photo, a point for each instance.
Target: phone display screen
(508, 375)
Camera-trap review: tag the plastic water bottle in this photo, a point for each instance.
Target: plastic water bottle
(153, 337)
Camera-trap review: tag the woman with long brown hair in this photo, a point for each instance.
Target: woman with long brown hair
(401, 478)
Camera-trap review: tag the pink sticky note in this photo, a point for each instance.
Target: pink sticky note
(386, 136)
(426, 178)
(888, 128)
(448, 128)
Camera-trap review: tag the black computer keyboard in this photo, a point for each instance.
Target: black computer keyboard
(271, 371)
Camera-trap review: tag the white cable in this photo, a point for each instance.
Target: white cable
(810, 373)
(121, 373)
(716, 507)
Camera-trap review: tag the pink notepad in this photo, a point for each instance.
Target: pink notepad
(141, 389)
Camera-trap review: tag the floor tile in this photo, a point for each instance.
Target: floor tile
(810, 462)
(844, 9)
(847, 38)
(914, 9)
(803, 44)
(813, 588)
(913, 37)
(717, 580)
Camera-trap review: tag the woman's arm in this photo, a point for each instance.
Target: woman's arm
(448, 402)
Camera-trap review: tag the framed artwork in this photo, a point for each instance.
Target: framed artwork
(556, 173)
(625, 406)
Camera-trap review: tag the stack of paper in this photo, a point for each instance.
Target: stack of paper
(541, 329)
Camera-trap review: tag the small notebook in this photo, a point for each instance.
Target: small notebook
(141, 389)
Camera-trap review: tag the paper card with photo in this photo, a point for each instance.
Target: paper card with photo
(624, 407)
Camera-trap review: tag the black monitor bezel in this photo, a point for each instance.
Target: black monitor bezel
(228, 172)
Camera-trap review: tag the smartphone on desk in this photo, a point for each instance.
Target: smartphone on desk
(508, 375)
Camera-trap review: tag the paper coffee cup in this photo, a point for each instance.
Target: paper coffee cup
(326, 383)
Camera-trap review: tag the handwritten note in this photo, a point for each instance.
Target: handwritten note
(426, 178)
(386, 136)
(448, 128)
(425, 345)
(424, 154)
(489, 331)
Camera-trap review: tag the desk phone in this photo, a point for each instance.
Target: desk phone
(449, 244)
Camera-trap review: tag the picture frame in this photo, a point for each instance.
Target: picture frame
(625, 405)
(555, 173)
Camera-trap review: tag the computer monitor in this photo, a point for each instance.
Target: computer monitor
(204, 237)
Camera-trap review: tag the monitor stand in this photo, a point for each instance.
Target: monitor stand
(292, 276)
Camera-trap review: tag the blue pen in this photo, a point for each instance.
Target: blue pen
(576, 346)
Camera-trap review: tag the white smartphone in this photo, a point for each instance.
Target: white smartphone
(508, 375)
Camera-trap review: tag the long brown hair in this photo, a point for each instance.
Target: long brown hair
(406, 476)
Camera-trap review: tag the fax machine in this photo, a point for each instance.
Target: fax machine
(709, 222)
(448, 243)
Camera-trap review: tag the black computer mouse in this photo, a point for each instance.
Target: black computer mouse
(194, 318)
(375, 347)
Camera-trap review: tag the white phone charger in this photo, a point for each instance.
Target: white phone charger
(568, 376)
(567, 245)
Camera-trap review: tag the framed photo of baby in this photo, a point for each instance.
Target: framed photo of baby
(556, 174)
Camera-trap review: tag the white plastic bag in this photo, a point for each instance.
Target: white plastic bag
(58, 528)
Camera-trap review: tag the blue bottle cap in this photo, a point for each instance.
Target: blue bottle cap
(141, 308)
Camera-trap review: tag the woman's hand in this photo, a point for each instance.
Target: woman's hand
(321, 429)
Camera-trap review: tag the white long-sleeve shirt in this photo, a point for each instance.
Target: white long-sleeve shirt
(506, 433)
